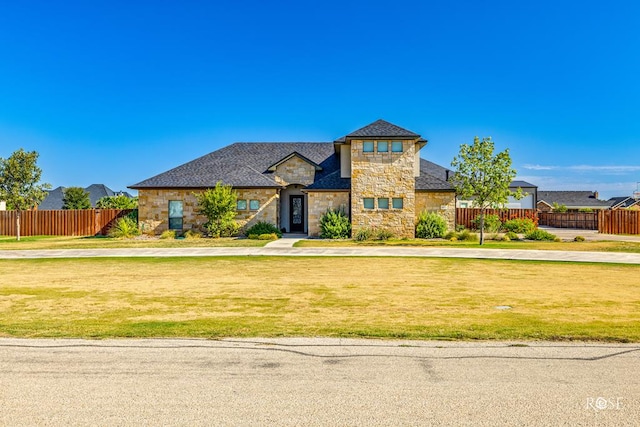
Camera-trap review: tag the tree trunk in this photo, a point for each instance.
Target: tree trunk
(482, 227)
(18, 224)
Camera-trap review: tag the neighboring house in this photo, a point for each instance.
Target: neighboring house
(53, 201)
(529, 200)
(573, 200)
(623, 202)
(375, 175)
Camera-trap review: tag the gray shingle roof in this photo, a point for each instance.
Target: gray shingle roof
(522, 184)
(622, 202)
(243, 164)
(382, 129)
(53, 201)
(572, 199)
(431, 177)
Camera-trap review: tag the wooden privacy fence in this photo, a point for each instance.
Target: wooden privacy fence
(619, 221)
(579, 220)
(465, 216)
(85, 222)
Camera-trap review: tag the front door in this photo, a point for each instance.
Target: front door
(296, 214)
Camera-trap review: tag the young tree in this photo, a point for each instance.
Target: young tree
(219, 206)
(484, 177)
(75, 198)
(19, 183)
(117, 202)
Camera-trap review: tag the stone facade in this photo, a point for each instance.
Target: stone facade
(319, 202)
(383, 175)
(153, 208)
(295, 171)
(443, 202)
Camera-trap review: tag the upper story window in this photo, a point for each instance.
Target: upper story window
(367, 147)
(254, 205)
(383, 203)
(241, 205)
(396, 146)
(367, 202)
(397, 203)
(383, 146)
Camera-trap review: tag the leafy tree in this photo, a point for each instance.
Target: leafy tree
(117, 202)
(19, 183)
(76, 198)
(483, 176)
(219, 206)
(559, 208)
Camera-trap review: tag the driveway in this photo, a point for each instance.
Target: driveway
(319, 382)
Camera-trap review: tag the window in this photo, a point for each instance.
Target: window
(397, 203)
(241, 205)
(367, 147)
(396, 146)
(383, 203)
(254, 205)
(175, 215)
(368, 202)
(383, 146)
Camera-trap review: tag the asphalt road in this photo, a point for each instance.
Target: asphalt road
(317, 382)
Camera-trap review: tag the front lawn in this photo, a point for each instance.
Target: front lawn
(58, 242)
(411, 298)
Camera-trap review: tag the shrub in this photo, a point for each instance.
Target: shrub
(511, 235)
(450, 235)
(124, 228)
(492, 223)
(75, 198)
(363, 234)
(168, 234)
(430, 225)
(520, 225)
(219, 206)
(505, 238)
(335, 224)
(384, 234)
(467, 236)
(265, 236)
(117, 202)
(539, 234)
(579, 239)
(192, 234)
(559, 208)
(585, 210)
(262, 227)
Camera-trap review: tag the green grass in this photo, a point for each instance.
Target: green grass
(592, 246)
(57, 242)
(412, 298)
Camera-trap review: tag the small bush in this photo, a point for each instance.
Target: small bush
(384, 234)
(492, 223)
(539, 234)
(467, 236)
(363, 234)
(262, 227)
(335, 224)
(168, 234)
(430, 225)
(579, 239)
(265, 236)
(450, 235)
(124, 228)
(192, 234)
(505, 238)
(520, 225)
(511, 235)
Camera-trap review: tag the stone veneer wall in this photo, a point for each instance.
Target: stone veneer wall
(153, 208)
(442, 202)
(295, 171)
(383, 175)
(319, 202)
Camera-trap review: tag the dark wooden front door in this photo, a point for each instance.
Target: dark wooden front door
(296, 214)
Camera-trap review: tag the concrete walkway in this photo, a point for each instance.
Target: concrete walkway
(389, 251)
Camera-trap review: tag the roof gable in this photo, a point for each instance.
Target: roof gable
(274, 166)
(382, 129)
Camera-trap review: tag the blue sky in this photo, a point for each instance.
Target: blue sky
(115, 92)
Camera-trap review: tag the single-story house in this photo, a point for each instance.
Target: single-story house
(573, 200)
(624, 202)
(529, 200)
(374, 174)
(54, 198)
